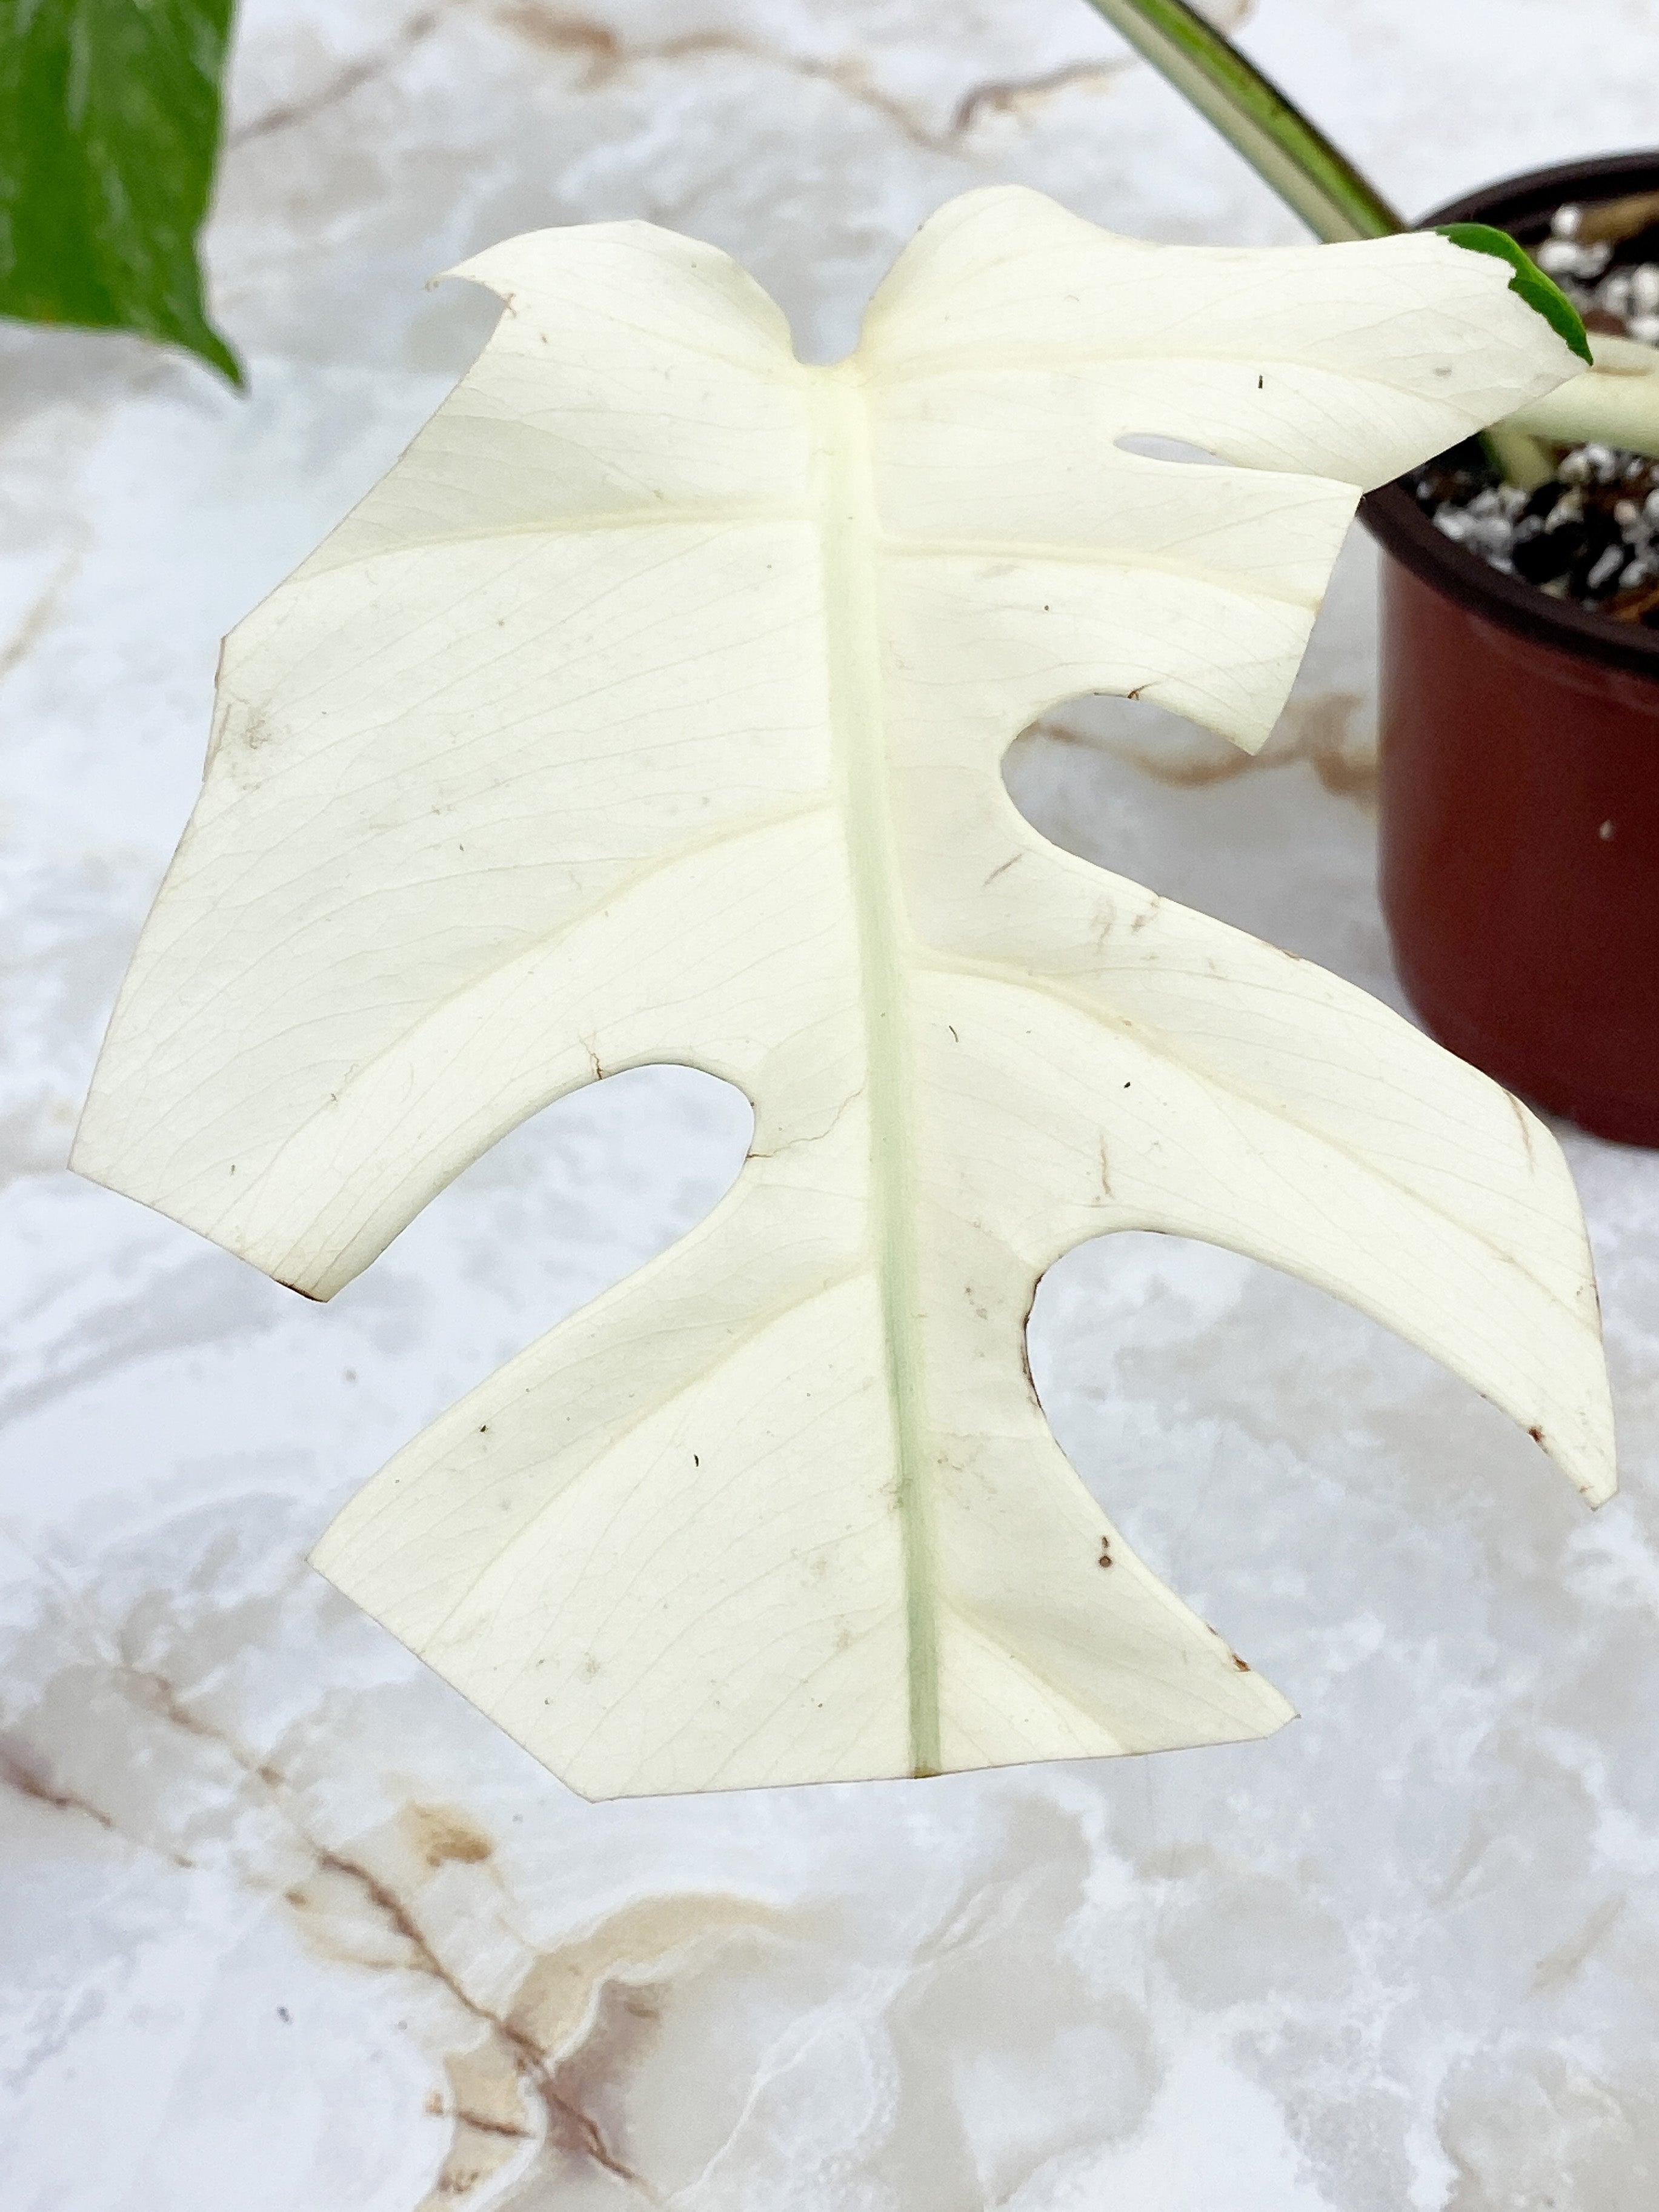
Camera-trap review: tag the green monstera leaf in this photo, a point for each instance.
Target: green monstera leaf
(651, 709)
(109, 130)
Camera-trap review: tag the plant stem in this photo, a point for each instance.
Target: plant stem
(1281, 145)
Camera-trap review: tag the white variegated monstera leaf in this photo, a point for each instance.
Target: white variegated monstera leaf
(651, 709)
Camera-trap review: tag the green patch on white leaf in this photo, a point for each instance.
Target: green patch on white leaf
(1539, 292)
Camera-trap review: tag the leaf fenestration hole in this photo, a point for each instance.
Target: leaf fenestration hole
(1284, 1461)
(1152, 446)
(578, 1197)
(1281, 842)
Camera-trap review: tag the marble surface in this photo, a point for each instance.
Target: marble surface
(286, 1926)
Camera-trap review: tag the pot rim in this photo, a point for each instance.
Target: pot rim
(1523, 204)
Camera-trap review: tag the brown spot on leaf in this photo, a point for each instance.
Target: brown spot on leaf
(1025, 1362)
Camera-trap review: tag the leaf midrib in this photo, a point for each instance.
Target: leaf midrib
(850, 543)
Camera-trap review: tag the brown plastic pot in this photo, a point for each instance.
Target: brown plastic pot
(1520, 787)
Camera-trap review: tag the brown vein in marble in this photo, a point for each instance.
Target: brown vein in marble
(1018, 95)
(1315, 728)
(573, 2021)
(443, 1837)
(569, 2127)
(606, 56)
(39, 618)
(19, 1774)
(354, 78)
(439, 1835)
